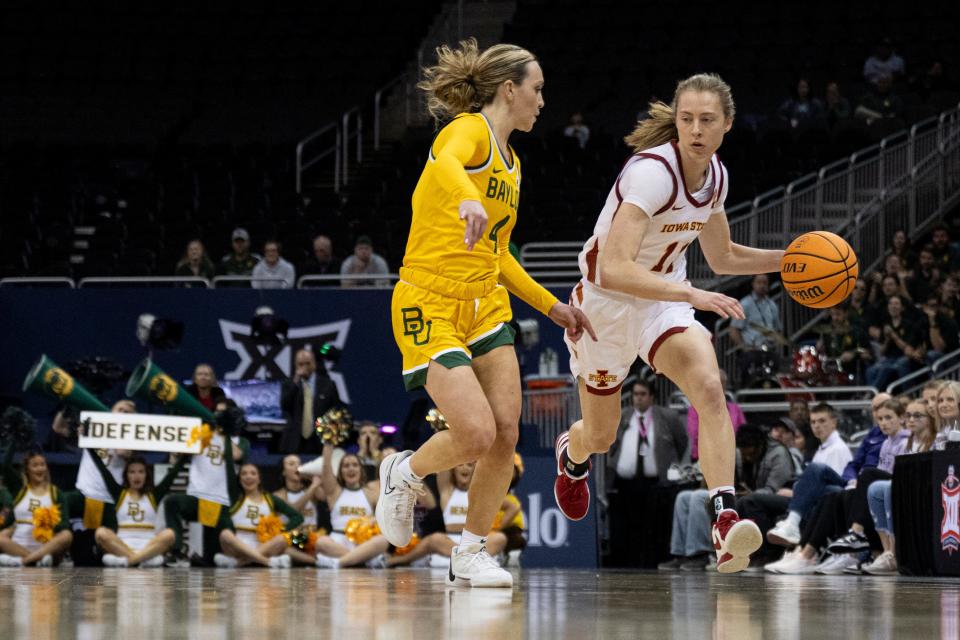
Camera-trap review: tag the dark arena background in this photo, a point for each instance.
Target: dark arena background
(207, 204)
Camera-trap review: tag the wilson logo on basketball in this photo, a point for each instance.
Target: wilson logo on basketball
(602, 378)
(810, 293)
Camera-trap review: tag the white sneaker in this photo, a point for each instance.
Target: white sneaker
(798, 565)
(472, 565)
(45, 561)
(152, 563)
(836, 564)
(397, 499)
(377, 562)
(7, 560)
(111, 560)
(326, 562)
(280, 562)
(784, 534)
(884, 565)
(224, 561)
(774, 567)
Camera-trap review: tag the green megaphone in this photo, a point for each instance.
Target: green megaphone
(148, 382)
(47, 378)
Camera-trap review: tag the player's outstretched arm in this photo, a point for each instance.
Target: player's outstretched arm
(726, 257)
(619, 270)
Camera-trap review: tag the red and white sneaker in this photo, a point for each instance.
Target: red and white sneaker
(735, 539)
(572, 494)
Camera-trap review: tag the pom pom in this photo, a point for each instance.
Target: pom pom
(203, 434)
(302, 539)
(231, 420)
(18, 428)
(407, 548)
(359, 530)
(44, 520)
(436, 421)
(334, 426)
(268, 528)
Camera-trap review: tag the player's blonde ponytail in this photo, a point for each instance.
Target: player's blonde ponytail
(661, 126)
(465, 79)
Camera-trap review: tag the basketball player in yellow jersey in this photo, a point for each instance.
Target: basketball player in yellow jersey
(451, 307)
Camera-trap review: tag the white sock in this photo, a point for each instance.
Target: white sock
(407, 472)
(716, 490)
(793, 518)
(471, 538)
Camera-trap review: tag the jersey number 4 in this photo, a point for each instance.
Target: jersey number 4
(496, 229)
(658, 268)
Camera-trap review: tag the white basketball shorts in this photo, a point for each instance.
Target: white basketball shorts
(626, 327)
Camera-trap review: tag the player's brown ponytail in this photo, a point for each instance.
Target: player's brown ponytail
(661, 126)
(465, 79)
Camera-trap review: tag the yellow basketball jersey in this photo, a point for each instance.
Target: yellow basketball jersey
(435, 244)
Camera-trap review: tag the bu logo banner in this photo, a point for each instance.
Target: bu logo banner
(950, 525)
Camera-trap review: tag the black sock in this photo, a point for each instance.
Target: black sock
(720, 502)
(574, 469)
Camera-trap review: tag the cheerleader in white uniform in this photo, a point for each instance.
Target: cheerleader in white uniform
(135, 540)
(32, 490)
(240, 537)
(299, 494)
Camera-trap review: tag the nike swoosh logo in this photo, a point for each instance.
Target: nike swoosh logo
(497, 170)
(452, 577)
(677, 208)
(389, 489)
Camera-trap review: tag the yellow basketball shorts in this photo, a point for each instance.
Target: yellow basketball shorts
(430, 326)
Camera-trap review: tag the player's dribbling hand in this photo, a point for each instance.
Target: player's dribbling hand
(573, 320)
(723, 306)
(471, 211)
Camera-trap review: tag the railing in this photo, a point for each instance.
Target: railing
(355, 116)
(347, 281)
(250, 280)
(112, 281)
(35, 282)
(947, 367)
(333, 149)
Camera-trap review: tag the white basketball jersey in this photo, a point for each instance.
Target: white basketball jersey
(139, 514)
(456, 510)
(653, 181)
(352, 503)
(208, 476)
(89, 481)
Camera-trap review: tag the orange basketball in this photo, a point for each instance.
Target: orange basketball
(819, 269)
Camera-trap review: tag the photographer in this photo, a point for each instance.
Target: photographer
(304, 398)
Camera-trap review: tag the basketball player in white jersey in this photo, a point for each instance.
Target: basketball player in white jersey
(634, 290)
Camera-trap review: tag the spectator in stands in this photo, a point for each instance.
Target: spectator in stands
(577, 130)
(880, 494)
(945, 254)
(239, 262)
(943, 334)
(755, 334)
(195, 262)
(883, 287)
(784, 431)
(900, 245)
(881, 103)
(859, 306)
(649, 439)
(800, 414)
(950, 296)
(369, 444)
(303, 399)
(845, 341)
(737, 417)
(903, 347)
(884, 63)
(931, 81)
(801, 110)
(364, 261)
(835, 106)
(947, 415)
(925, 278)
(930, 393)
(278, 273)
(204, 386)
(322, 262)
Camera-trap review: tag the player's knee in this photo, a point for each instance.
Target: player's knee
(712, 394)
(508, 434)
(477, 442)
